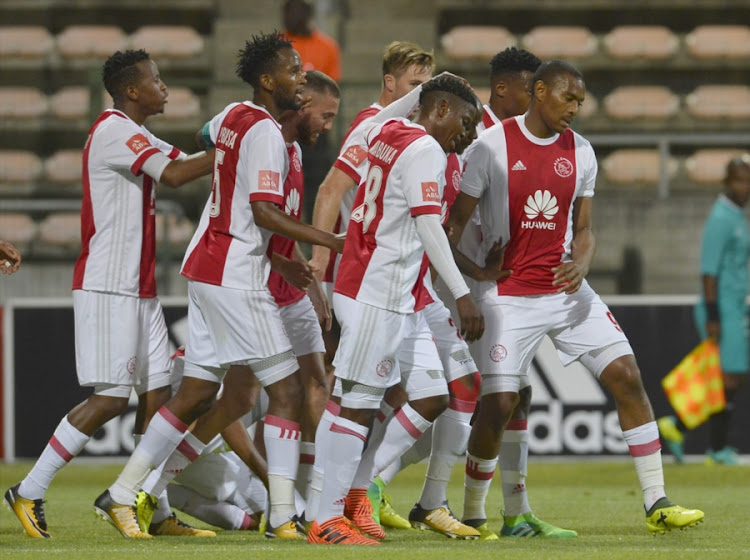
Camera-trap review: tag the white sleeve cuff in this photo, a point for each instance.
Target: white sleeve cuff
(155, 165)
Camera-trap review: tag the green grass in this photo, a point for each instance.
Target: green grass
(600, 500)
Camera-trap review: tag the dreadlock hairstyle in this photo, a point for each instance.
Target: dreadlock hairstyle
(120, 71)
(259, 56)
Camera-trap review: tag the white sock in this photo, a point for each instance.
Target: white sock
(342, 457)
(163, 435)
(306, 462)
(220, 514)
(316, 476)
(401, 432)
(513, 467)
(379, 425)
(281, 437)
(189, 449)
(476, 485)
(66, 442)
(645, 448)
(450, 434)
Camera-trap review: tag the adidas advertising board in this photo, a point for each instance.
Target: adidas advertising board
(571, 413)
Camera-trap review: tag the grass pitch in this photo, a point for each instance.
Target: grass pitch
(600, 500)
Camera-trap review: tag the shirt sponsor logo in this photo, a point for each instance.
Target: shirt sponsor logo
(542, 203)
(430, 192)
(563, 167)
(268, 181)
(137, 143)
(355, 155)
(291, 206)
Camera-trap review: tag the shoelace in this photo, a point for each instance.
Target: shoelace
(38, 510)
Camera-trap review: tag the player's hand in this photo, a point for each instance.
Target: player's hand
(320, 304)
(472, 320)
(713, 328)
(493, 264)
(295, 273)
(317, 266)
(337, 243)
(10, 258)
(568, 277)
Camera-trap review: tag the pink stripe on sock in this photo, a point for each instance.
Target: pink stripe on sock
(55, 444)
(289, 429)
(172, 419)
(406, 423)
(333, 408)
(644, 449)
(187, 450)
(472, 471)
(306, 459)
(517, 424)
(380, 417)
(342, 430)
(462, 406)
(246, 523)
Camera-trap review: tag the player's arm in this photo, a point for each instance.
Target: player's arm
(716, 235)
(179, 172)
(326, 212)
(569, 275)
(315, 292)
(10, 257)
(711, 297)
(294, 272)
(239, 440)
(269, 216)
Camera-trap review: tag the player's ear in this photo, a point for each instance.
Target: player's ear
(539, 89)
(389, 82)
(500, 88)
(444, 108)
(267, 82)
(131, 92)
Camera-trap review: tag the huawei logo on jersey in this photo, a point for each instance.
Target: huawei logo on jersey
(292, 203)
(137, 143)
(268, 181)
(542, 203)
(355, 155)
(430, 192)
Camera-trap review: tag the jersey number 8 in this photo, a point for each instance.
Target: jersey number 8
(367, 211)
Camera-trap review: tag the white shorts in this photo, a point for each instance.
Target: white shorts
(302, 327)
(580, 326)
(378, 347)
(453, 350)
(243, 327)
(121, 342)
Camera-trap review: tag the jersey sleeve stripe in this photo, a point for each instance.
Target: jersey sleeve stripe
(138, 163)
(421, 210)
(346, 168)
(266, 196)
(174, 154)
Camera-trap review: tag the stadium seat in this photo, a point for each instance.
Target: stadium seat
(90, 41)
(590, 106)
(72, 102)
(25, 42)
(177, 231)
(651, 42)
(62, 229)
(640, 102)
(165, 41)
(182, 103)
(548, 41)
(19, 166)
(18, 229)
(636, 167)
(64, 167)
(719, 102)
(476, 41)
(17, 102)
(709, 165)
(719, 42)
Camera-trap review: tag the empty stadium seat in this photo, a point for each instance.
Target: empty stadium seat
(636, 167)
(64, 167)
(719, 102)
(25, 42)
(62, 229)
(638, 102)
(90, 41)
(18, 102)
(165, 41)
(548, 41)
(72, 102)
(709, 165)
(719, 42)
(476, 41)
(18, 229)
(652, 42)
(176, 231)
(19, 166)
(182, 103)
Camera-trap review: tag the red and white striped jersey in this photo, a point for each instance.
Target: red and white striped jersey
(294, 187)
(382, 264)
(251, 164)
(526, 188)
(118, 223)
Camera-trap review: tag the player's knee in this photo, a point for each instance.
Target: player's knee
(524, 402)
(623, 377)
(288, 391)
(430, 407)
(497, 409)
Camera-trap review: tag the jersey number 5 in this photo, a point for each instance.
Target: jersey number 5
(216, 186)
(366, 212)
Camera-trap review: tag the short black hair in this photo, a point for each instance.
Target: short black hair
(322, 83)
(452, 85)
(551, 69)
(119, 71)
(513, 61)
(259, 56)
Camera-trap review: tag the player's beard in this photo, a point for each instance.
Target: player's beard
(288, 103)
(306, 135)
